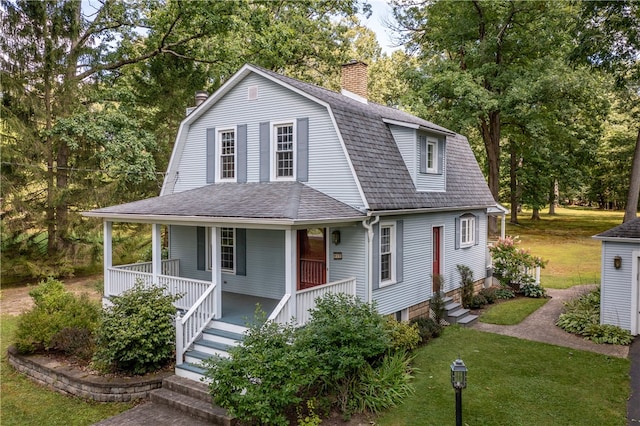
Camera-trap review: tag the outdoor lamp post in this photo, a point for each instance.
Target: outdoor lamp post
(459, 382)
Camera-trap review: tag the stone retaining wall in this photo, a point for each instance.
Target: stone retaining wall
(74, 381)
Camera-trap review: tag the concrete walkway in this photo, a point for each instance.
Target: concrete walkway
(540, 327)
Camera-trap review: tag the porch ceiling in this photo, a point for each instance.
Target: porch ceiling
(271, 202)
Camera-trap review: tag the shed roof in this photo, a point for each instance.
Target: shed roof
(627, 231)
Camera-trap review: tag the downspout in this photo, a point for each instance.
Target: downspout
(368, 225)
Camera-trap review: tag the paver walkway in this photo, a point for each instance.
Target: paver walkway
(540, 325)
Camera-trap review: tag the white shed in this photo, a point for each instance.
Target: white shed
(620, 278)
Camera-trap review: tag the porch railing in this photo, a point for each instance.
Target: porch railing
(312, 272)
(281, 314)
(169, 267)
(306, 299)
(189, 327)
(191, 289)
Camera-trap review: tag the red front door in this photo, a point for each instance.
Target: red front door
(312, 259)
(435, 266)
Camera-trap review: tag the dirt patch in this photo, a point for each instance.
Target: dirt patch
(16, 300)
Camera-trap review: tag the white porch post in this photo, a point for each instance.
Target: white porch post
(107, 247)
(290, 270)
(504, 225)
(156, 252)
(216, 270)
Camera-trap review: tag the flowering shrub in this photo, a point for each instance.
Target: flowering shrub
(513, 265)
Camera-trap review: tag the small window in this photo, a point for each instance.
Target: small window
(387, 254)
(429, 155)
(467, 231)
(227, 249)
(284, 145)
(432, 156)
(227, 153)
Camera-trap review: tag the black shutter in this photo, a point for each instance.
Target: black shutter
(265, 152)
(201, 248)
(241, 154)
(441, 148)
(375, 258)
(399, 250)
(241, 251)
(302, 149)
(457, 236)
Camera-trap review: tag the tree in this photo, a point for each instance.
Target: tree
(609, 38)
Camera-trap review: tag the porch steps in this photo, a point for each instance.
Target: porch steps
(456, 314)
(192, 398)
(216, 340)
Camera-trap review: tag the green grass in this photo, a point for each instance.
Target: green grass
(25, 403)
(514, 382)
(511, 312)
(565, 241)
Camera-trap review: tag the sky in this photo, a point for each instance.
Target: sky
(380, 11)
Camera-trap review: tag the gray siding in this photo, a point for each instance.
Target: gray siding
(417, 253)
(354, 263)
(407, 144)
(265, 262)
(329, 171)
(615, 305)
(432, 181)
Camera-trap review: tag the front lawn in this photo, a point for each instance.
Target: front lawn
(514, 382)
(25, 403)
(511, 312)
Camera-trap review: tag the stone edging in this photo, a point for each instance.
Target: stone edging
(73, 381)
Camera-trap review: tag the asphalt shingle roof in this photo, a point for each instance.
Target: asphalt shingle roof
(630, 229)
(265, 200)
(382, 173)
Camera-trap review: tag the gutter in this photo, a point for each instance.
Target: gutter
(368, 225)
(429, 210)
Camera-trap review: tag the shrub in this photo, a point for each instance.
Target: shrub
(533, 290)
(606, 333)
(377, 388)
(403, 335)
(428, 328)
(46, 327)
(466, 285)
(512, 264)
(489, 294)
(478, 301)
(504, 293)
(137, 334)
(437, 301)
(265, 377)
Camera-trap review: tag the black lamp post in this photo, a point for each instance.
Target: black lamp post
(459, 382)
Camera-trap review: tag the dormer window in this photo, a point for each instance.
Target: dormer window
(431, 154)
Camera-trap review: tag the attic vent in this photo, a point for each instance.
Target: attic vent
(252, 93)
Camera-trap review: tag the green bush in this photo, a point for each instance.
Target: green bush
(378, 388)
(466, 285)
(513, 265)
(489, 294)
(477, 301)
(436, 304)
(533, 290)
(403, 335)
(606, 333)
(56, 313)
(505, 293)
(265, 377)
(137, 333)
(428, 328)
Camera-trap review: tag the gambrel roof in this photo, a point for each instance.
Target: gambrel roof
(382, 175)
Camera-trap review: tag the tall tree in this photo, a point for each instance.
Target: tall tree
(609, 38)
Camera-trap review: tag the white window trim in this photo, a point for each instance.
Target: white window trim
(471, 231)
(274, 162)
(434, 143)
(394, 251)
(219, 132)
(208, 247)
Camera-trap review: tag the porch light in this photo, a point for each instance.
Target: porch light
(617, 262)
(335, 237)
(459, 382)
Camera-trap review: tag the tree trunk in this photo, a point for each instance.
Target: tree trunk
(535, 215)
(513, 181)
(491, 137)
(631, 211)
(553, 197)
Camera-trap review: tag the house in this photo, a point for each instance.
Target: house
(279, 191)
(620, 277)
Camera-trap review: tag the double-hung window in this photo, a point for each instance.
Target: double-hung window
(467, 231)
(387, 253)
(227, 249)
(429, 156)
(284, 150)
(227, 153)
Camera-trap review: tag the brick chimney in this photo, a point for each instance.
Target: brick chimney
(354, 80)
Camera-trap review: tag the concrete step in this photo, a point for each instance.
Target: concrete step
(455, 316)
(192, 406)
(467, 320)
(451, 306)
(187, 387)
